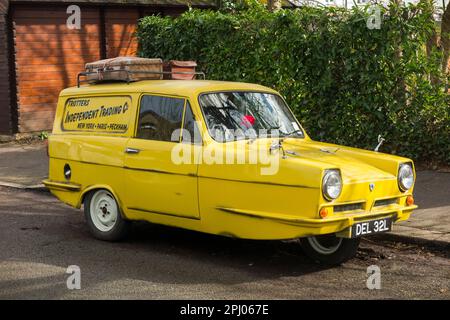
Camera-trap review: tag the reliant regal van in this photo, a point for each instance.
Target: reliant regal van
(224, 158)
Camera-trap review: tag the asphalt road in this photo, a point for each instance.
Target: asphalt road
(40, 238)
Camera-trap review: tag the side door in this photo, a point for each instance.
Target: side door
(156, 182)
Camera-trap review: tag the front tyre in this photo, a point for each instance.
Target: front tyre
(103, 216)
(329, 249)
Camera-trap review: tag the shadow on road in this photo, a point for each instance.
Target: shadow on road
(40, 238)
(154, 254)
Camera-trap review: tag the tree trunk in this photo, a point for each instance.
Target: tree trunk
(432, 44)
(445, 39)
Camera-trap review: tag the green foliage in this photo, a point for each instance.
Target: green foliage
(43, 135)
(233, 6)
(345, 82)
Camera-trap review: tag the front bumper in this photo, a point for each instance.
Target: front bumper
(338, 224)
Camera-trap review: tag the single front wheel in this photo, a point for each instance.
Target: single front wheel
(103, 216)
(329, 249)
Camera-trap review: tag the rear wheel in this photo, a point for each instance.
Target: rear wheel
(103, 216)
(329, 249)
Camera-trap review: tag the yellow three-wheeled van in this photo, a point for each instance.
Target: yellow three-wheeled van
(223, 158)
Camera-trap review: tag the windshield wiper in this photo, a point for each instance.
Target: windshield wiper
(293, 132)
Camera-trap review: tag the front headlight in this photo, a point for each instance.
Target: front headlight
(405, 176)
(331, 184)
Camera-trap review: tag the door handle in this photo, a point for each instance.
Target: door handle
(132, 150)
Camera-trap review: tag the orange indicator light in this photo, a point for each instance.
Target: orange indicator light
(323, 212)
(409, 200)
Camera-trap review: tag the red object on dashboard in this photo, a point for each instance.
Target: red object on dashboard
(250, 119)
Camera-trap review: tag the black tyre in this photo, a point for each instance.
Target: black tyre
(329, 249)
(103, 216)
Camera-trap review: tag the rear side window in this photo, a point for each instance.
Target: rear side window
(159, 117)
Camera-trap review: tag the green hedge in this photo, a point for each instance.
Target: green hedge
(345, 82)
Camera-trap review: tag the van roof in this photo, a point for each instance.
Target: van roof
(186, 88)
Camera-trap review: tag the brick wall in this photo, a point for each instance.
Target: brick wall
(39, 56)
(5, 110)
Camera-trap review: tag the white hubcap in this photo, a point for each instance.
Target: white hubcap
(103, 210)
(325, 247)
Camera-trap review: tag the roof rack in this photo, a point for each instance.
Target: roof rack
(128, 79)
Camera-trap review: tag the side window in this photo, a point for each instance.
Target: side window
(191, 126)
(159, 117)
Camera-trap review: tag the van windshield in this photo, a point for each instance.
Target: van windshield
(247, 115)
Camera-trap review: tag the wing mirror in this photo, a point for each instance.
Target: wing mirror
(380, 142)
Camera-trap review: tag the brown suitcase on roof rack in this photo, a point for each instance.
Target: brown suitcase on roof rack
(180, 70)
(124, 69)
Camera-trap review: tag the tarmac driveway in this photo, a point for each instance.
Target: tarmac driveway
(40, 237)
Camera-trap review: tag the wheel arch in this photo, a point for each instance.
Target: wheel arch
(89, 189)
